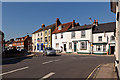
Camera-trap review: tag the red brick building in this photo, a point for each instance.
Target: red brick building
(23, 43)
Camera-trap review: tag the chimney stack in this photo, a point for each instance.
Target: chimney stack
(57, 22)
(96, 22)
(73, 23)
(43, 25)
(77, 24)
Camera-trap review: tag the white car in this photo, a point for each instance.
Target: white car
(49, 51)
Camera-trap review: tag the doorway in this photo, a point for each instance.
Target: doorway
(112, 49)
(64, 47)
(75, 47)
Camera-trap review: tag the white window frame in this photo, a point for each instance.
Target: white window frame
(84, 46)
(55, 36)
(104, 47)
(61, 35)
(98, 47)
(99, 38)
(83, 34)
(57, 45)
(73, 34)
(70, 45)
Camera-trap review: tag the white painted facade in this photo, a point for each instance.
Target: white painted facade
(104, 45)
(67, 40)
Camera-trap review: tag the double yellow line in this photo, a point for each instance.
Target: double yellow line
(93, 72)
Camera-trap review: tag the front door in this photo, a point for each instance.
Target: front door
(64, 47)
(75, 47)
(112, 49)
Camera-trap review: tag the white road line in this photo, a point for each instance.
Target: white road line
(57, 60)
(47, 62)
(50, 61)
(14, 71)
(48, 75)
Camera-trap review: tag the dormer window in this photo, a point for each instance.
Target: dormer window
(59, 27)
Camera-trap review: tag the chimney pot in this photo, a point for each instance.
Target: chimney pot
(96, 22)
(43, 25)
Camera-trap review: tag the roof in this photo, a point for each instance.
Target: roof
(80, 28)
(66, 26)
(45, 28)
(105, 27)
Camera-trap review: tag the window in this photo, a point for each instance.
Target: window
(59, 27)
(45, 39)
(49, 38)
(100, 38)
(104, 47)
(70, 45)
(61, 35)
(112, 38)
(38, 34)
(41, 39)
(55, 36)
(98, 47)
(41, 33)
(57, 45)
(82, 34)
(49, 31)
(73, 35)
(83, 45)
(45, 32)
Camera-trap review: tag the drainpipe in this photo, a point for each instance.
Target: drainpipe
(91, 45)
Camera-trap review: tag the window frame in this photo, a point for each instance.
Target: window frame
(99, 38)
(73, 34)
(83, 34)
(61, 35)
(84, 45)
(70, 45)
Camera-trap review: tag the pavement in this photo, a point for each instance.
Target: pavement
(106, 71)
(65, 67)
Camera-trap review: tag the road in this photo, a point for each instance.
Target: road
(63, 67)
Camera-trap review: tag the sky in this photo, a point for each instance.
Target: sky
(20, 18)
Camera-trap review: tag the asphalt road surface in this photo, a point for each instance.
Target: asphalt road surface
(54, 67)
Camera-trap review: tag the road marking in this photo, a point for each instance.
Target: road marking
(14, 71)
(57, 60)
(50, 61)
(47, 76)
(92, 72)
(47, 62)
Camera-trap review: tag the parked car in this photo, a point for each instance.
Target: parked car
(49, 51)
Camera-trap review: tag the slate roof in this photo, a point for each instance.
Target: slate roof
(84, 27)
(66, 26)
(105, 27)
(45, 28)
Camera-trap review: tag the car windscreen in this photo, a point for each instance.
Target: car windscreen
(49, 48)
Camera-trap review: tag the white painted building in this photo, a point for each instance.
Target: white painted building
(104, 38)
(94, 39)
